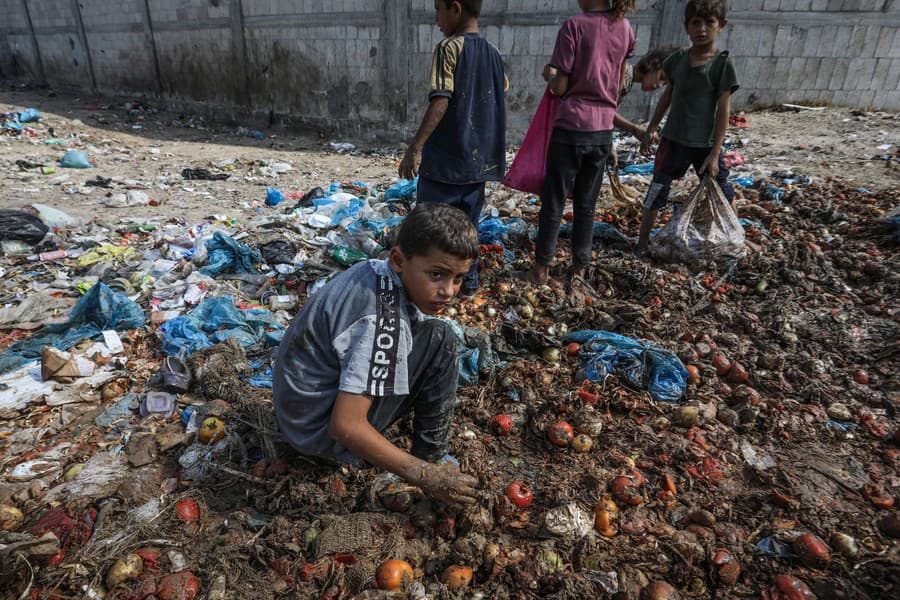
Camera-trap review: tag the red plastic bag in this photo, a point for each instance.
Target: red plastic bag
(526, 173)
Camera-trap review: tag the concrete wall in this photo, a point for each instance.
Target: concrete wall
(360, 66)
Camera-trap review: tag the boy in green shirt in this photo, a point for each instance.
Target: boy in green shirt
(700, 82)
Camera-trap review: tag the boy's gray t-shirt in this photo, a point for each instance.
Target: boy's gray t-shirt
(354, 336)
(692, 115)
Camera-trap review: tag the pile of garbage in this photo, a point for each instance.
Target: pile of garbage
(727, 428)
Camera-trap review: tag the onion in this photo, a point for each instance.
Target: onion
(844, 544)
(581, 443)
(728, 568)
(659, 590)
(552, 355)
(686, 416)
(129, 567)
(11, 518)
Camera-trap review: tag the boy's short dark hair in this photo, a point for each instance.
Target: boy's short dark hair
(706, 8)
(473, 7)
(435, 226)
(654, 59)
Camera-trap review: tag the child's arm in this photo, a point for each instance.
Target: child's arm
(350, 427)
(723, 110)
(620, 122)
(662, 108)
(409, 166)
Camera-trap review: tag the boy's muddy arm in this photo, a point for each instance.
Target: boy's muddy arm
(409, 166)
(723, 111)
(661, 108)
(623, 124)
(350, 427)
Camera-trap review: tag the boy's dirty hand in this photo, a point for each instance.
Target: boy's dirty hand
(409, 166)
(447, 483)
(641, 133)
(650, 139)
(710, 166)
(613, 159)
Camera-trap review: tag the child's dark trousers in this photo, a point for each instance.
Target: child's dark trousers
(583, 164)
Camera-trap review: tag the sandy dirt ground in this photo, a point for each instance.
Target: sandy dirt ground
(142, 148)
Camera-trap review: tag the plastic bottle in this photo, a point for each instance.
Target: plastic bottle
(347, 256)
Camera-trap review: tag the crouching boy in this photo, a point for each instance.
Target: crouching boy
(360, 356)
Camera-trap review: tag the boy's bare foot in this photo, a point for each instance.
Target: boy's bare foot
(537, 275)
(576, 272)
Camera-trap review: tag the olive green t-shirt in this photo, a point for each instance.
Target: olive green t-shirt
(696, 90)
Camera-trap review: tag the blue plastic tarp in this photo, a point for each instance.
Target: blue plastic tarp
(402, 190)
(227, 255)
(644, 169)
(28, 115)
(215, 320)
(476, 356)
(742, 181)
(100, 309)
(644, 365)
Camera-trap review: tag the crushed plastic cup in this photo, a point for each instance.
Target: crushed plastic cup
(158, 404)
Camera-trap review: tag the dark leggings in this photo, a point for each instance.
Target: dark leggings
(565, 163)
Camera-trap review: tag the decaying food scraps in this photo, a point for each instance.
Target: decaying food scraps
(752, 484)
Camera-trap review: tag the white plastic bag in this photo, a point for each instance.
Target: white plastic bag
(706, 228)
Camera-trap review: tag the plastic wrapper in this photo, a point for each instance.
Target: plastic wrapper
(706, 228)
(642, 364)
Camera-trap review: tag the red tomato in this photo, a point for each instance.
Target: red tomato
(457, 577)
(693, 374)
(519, 494)
(573, 349)
(721, 364)
(501, 425)
(178, 586)
(394, 575)
(560, 434)
(188, 510)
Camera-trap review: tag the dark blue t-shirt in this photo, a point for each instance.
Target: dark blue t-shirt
(469, 144)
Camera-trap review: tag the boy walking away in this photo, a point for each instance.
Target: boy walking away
(360, 356)
(461, 143)
(586, 72)
(700, 82)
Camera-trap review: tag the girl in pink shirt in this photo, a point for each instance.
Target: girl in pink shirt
(586, 73)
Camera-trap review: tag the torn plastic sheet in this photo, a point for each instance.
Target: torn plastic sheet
(644, 365)
(100, 309)
(215, 320)
(227, 255)
(476, 356)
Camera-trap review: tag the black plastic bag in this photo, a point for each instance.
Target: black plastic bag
(278, 252)
(19, 225)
